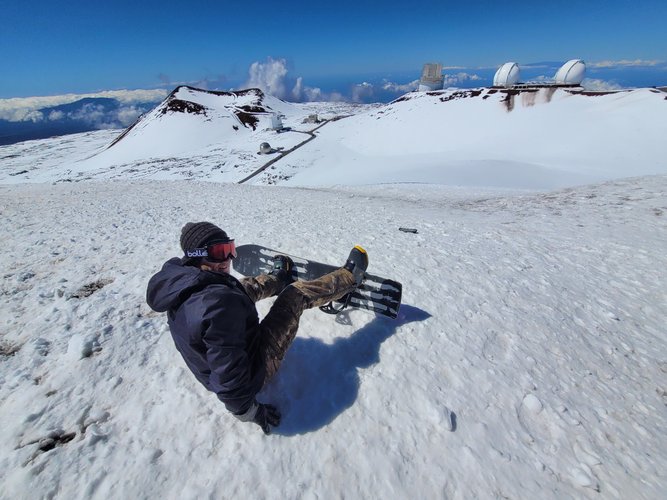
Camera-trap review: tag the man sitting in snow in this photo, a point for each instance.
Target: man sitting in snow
(214, 322)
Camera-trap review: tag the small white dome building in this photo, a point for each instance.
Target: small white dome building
(507, 75)
(571, 73)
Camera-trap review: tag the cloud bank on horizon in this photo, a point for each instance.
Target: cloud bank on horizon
(626, 63)
(19, 109)
(273, 76)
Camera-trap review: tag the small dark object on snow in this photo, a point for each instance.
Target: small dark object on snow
(90, 288)
(51, 442)
(8, 348)
(408, 230)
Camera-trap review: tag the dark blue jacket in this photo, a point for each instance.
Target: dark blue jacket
(215, 327)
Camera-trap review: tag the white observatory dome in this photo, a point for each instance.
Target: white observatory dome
(571, 73)
(507, 75)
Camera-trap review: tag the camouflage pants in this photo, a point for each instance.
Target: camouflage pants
(279, 327)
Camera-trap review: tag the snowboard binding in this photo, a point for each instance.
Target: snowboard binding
(330, 308)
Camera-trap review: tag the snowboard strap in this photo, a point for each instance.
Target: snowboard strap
(331, 309)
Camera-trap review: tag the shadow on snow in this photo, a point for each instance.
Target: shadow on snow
(317, 381)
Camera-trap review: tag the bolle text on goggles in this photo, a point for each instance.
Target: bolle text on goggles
(215, 252)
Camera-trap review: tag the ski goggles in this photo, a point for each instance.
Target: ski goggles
(215, 252)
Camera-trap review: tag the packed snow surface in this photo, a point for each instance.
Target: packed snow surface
(529, 358)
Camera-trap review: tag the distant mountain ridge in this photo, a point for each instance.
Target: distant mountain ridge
(518, 138)
(227, 111)
(83, 115)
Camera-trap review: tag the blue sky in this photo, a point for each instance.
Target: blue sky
(51, 48)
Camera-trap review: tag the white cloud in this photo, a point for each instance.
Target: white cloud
(269, 76)
(127, 116)
(56, 115)
(596, 84)
(21, 115)
(336, 97)
(537, 66)
(133, 96)
(298, 88)
(454, 80)
(303, 93)
(402, 88)
(98, 117)
(91, 113)
(33, 116)
(624, 63)
(25, 108)
(314, 94)
(363, 92)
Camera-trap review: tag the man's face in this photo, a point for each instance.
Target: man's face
(219, 255)
(219, 267)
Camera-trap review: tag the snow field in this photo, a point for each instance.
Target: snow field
(528, 359)
(548, 140)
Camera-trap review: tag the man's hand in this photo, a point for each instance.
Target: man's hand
(282, 268)
(267, 416)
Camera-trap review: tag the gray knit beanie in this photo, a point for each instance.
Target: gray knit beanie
(199, 234)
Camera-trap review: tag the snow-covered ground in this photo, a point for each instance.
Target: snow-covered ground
(529, 359)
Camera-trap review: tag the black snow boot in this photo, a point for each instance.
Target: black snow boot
(357, 263)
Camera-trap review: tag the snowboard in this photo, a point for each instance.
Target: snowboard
(377, 294)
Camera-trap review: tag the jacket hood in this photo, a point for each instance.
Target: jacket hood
(175, 282)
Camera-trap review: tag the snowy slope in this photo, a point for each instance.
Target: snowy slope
(192, 134)
(191, 122)
(537, 320)
(529, 359)
(546, 138)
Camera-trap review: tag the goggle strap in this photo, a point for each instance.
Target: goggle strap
(218, 251)
(197, 252)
